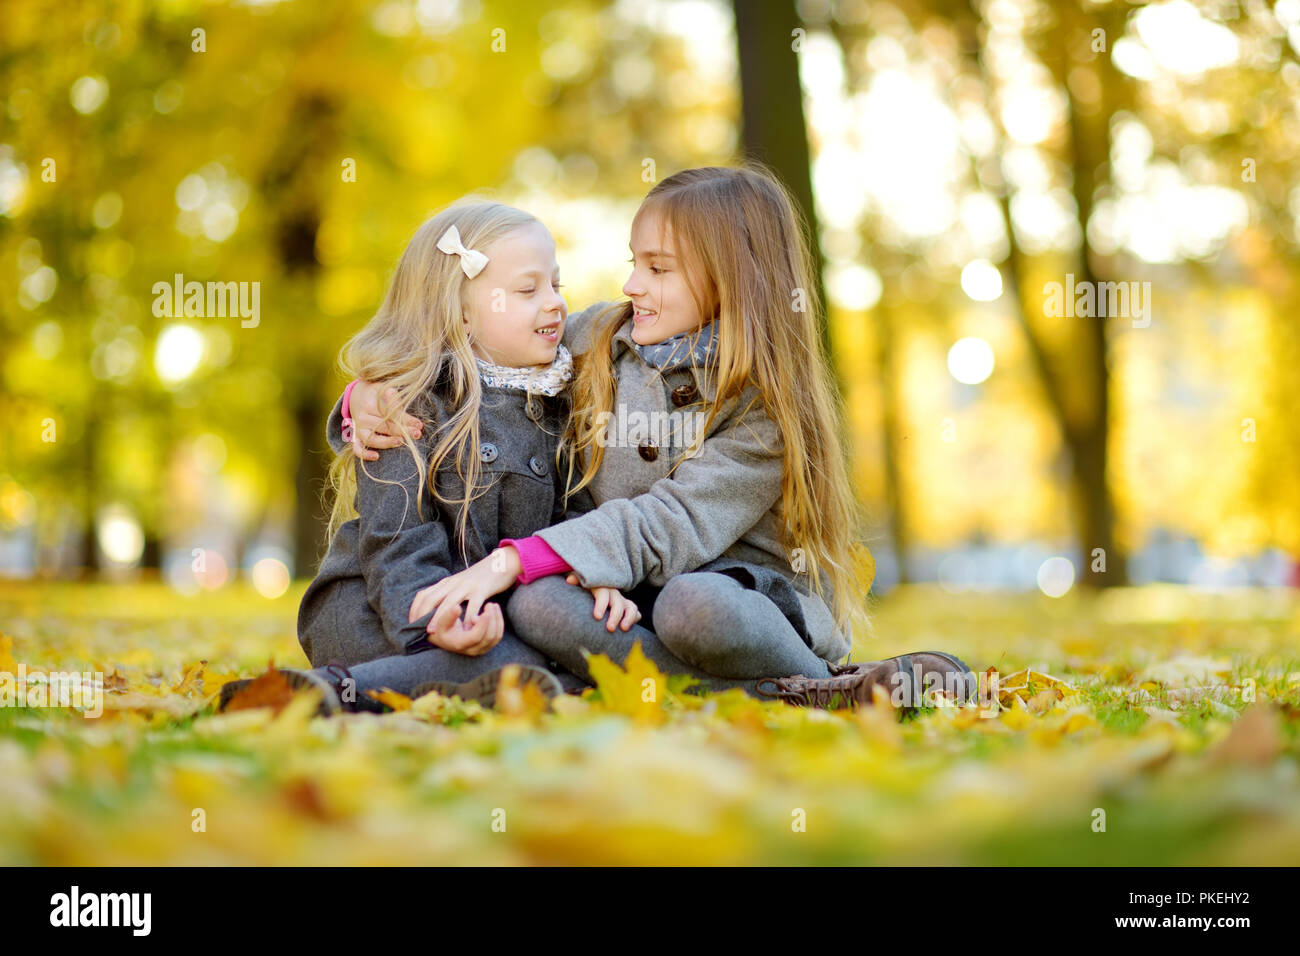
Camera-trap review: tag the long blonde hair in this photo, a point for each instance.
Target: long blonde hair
(417, 339)
(737, 230)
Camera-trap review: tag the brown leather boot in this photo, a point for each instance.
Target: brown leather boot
(909, 679)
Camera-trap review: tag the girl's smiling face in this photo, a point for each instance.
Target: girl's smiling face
(513, 307)
(663, 305)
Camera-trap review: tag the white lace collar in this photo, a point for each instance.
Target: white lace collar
(546, 381)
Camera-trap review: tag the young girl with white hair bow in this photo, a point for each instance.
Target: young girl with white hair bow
(468, 337)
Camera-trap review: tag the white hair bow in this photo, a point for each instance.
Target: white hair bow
(471, 260)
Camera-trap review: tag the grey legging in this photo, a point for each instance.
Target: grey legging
(703, 624)
(405, 672)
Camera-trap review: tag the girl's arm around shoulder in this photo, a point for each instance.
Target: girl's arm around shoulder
(334, 428)
(372, 431)
(687, 519)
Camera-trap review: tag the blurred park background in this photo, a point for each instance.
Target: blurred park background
(1059, 246)
(957, 158)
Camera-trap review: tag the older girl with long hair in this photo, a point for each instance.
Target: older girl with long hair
(706, 430)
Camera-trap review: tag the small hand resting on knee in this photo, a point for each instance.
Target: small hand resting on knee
(622, 611)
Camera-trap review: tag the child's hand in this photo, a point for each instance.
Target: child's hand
(622, 611)
(473, 586)
(372, 429)
(451, 634)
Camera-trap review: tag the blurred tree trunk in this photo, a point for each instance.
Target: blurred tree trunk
(93, 425)
(1086, 438)
(310, 477)
(292, 178)
(890, 417)
(773, 129)
(65, 249)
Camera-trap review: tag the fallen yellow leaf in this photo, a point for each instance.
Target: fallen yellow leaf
(636, 692)
(7, 662)
(390, 698)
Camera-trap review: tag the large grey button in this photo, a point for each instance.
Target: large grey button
(537, 465)
(487, 452)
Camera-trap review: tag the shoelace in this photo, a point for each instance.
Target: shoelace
(816, 692)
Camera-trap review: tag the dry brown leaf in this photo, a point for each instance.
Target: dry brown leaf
(1253, 739)
(304, 796)
(267, 690)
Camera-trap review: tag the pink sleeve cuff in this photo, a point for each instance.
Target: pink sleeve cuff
(537, 558)
(346, 409)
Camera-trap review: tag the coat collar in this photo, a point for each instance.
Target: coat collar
(622, 348)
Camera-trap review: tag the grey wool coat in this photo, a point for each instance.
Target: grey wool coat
(720, 510)
(356, 608)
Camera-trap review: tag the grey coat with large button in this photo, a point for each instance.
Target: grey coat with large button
(356, 608)
(720, 510)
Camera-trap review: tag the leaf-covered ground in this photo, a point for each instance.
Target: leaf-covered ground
(1148, 728)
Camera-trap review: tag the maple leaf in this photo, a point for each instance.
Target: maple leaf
(1025, 684)
(637, 692)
